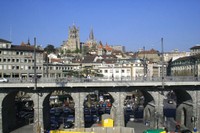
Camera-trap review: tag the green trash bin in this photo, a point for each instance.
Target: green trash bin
(155, 131)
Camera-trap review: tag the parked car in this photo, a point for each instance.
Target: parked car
(68, 124)
(132, 118)
(4, 80)
(88, 118)
(70, 118)
(54, 125)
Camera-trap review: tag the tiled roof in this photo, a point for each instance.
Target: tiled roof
(24, 48)
(100, 46)
(56, 60)
(4, 41)
(195, 47)
(88, 59)
(194, 57)
(108, 48)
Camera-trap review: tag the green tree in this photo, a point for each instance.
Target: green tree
(49, 49)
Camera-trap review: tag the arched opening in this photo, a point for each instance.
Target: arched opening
(134, 107)
(17, 111)
(61, 112)
(95, 105)
(184, 108)
(169, 108)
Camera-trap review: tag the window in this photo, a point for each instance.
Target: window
(17, 67)
(9, 67)
(17, 53)
(5, 67)
(123, 71)
(8, 60)
(26, 67)
(105, 71)
(4, 60)
(13, 60)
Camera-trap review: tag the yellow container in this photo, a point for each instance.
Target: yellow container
(107, 122)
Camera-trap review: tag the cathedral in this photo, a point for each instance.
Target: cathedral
(73, 42)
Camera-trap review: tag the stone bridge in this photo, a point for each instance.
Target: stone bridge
(187, 108)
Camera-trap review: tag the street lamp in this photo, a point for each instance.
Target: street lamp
(36, 122)
(162, 63)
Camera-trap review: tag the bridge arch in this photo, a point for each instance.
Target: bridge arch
(149, 108)
(9, 112)
(58, 105)
(185, 109)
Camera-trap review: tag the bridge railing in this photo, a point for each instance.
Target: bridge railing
(103, 79)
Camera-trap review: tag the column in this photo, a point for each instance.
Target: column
(159, 118)
(117, 107)
(196, 107)
(38, 112)
(2, 96)
(78, 98)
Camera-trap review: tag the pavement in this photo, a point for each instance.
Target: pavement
(139, 127)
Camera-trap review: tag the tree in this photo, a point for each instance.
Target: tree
(49, 49)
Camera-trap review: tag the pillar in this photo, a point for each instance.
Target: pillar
(158, 114)
(2, 96)
(78, 98)
(38, 99)
(196, 112)
(117, 107)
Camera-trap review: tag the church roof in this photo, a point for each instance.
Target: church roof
(108, 48)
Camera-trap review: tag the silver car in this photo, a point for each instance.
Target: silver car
(3, 80)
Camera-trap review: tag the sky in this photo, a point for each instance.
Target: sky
(131, 23)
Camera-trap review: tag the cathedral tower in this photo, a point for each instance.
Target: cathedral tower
(73, 42)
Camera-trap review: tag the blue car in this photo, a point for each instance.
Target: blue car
(88, 118)
(70, 118)
(54, 125)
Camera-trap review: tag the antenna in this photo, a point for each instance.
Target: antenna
(10, 33)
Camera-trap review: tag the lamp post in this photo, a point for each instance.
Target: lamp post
(162, 63)
(37, 121)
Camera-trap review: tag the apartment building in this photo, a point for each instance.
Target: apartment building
(17, 61)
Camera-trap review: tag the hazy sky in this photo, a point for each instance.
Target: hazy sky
(132, 23)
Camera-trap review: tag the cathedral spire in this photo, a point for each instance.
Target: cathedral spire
(91, 37)
(28, 42)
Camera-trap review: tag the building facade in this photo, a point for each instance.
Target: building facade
(17, 61)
